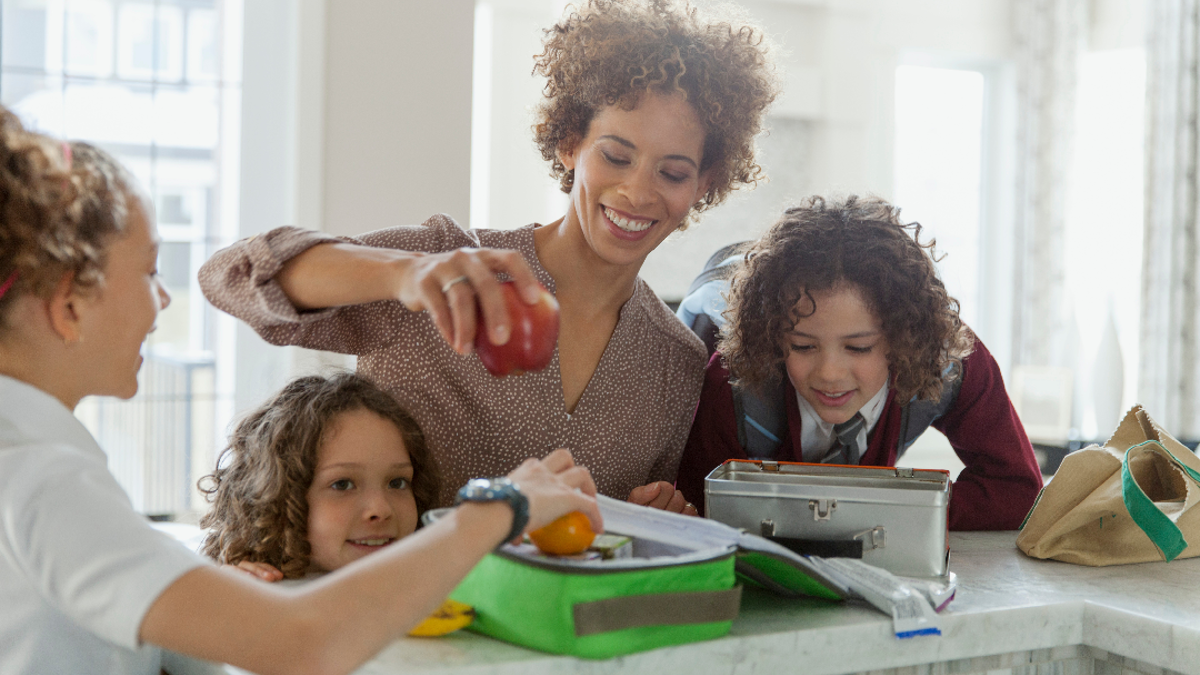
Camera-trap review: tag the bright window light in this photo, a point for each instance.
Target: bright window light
(938, 148)
(148, 82)
(1104, 231)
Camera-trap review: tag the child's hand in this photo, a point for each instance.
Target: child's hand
(555, 486)
(258, 570)
(662, 495)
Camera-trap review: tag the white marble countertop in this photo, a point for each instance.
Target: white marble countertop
(1006, 603)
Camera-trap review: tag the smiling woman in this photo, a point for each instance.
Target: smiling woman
(649, 116)
(635, 178)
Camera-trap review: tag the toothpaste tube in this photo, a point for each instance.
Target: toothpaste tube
(911, 613)
(939, 592)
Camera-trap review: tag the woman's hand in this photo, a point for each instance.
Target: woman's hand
(258, 570)
(450, 286)
(447, 285)
(555, 486)
(662, 495)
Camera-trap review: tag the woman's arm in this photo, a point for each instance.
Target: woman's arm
(334, 275)
(335, 624)
(276, 280)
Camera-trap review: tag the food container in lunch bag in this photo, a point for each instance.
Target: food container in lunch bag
(893, 518)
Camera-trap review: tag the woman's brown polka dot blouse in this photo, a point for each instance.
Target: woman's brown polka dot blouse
(629, 427)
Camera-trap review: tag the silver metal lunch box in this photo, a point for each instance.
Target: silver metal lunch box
(893, 518)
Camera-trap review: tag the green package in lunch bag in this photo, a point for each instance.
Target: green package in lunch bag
(679, 586)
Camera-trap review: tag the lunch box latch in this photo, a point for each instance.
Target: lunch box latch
(871, 539)
(904, 472)
(822, 508)
(770, 465)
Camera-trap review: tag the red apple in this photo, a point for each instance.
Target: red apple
(531, 343)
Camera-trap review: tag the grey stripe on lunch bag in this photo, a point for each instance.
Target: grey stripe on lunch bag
(656, 609)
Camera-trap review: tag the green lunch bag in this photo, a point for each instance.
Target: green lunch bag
(679, 586)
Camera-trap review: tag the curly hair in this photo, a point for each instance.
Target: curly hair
(610, 52)
(821, 245)
(259, 488)
(60, 205)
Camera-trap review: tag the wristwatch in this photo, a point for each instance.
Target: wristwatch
(496, 490)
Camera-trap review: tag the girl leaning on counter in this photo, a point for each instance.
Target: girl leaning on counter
(648, 118)
(86, 584)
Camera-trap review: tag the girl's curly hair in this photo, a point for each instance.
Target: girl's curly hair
(821, 245)
(60, 205)
(610, 52)
(259, 489)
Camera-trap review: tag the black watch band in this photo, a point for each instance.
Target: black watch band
(496, 490)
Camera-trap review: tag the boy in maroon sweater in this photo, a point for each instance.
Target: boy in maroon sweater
(838, 309)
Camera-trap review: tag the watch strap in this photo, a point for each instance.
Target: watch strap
(494, 490)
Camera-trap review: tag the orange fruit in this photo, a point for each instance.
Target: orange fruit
(568, 535)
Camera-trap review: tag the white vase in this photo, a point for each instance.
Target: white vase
(1108, 376)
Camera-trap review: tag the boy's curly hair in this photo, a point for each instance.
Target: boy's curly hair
(259, 489)
(60, 206)
(821, 245)
(610, 52)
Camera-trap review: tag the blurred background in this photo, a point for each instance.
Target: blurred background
(1048, 145)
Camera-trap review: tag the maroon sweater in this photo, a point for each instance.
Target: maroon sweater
(994, 492)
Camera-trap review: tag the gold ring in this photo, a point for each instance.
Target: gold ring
(456, 280)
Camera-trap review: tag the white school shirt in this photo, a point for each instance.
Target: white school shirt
(79, 567)
(816, 435)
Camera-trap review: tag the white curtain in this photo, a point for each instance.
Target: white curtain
(1171, 257)
(1050, 36)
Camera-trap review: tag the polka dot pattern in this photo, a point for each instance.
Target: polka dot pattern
(628, 428)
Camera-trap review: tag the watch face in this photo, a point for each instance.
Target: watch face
(479, 489)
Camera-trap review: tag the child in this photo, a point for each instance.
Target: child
(840, 298)
(86, 583)
(329, 470)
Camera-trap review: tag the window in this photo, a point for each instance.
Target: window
(938, 169)
(941, 120)
(939, 182)
(1104, 233)
(157, 84)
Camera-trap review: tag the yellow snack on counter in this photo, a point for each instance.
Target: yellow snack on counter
(446, 619)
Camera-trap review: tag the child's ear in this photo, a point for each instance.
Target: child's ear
(63, 310)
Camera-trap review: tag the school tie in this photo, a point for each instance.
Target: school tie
(847, 450)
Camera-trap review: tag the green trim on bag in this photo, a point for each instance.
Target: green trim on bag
(780, 576)
(1164, 533)
(1030, 511)
(1189, 470)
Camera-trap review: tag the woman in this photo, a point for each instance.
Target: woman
(86, 585)
(649, 117)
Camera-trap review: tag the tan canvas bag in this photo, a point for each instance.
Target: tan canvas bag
(1136, 499)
